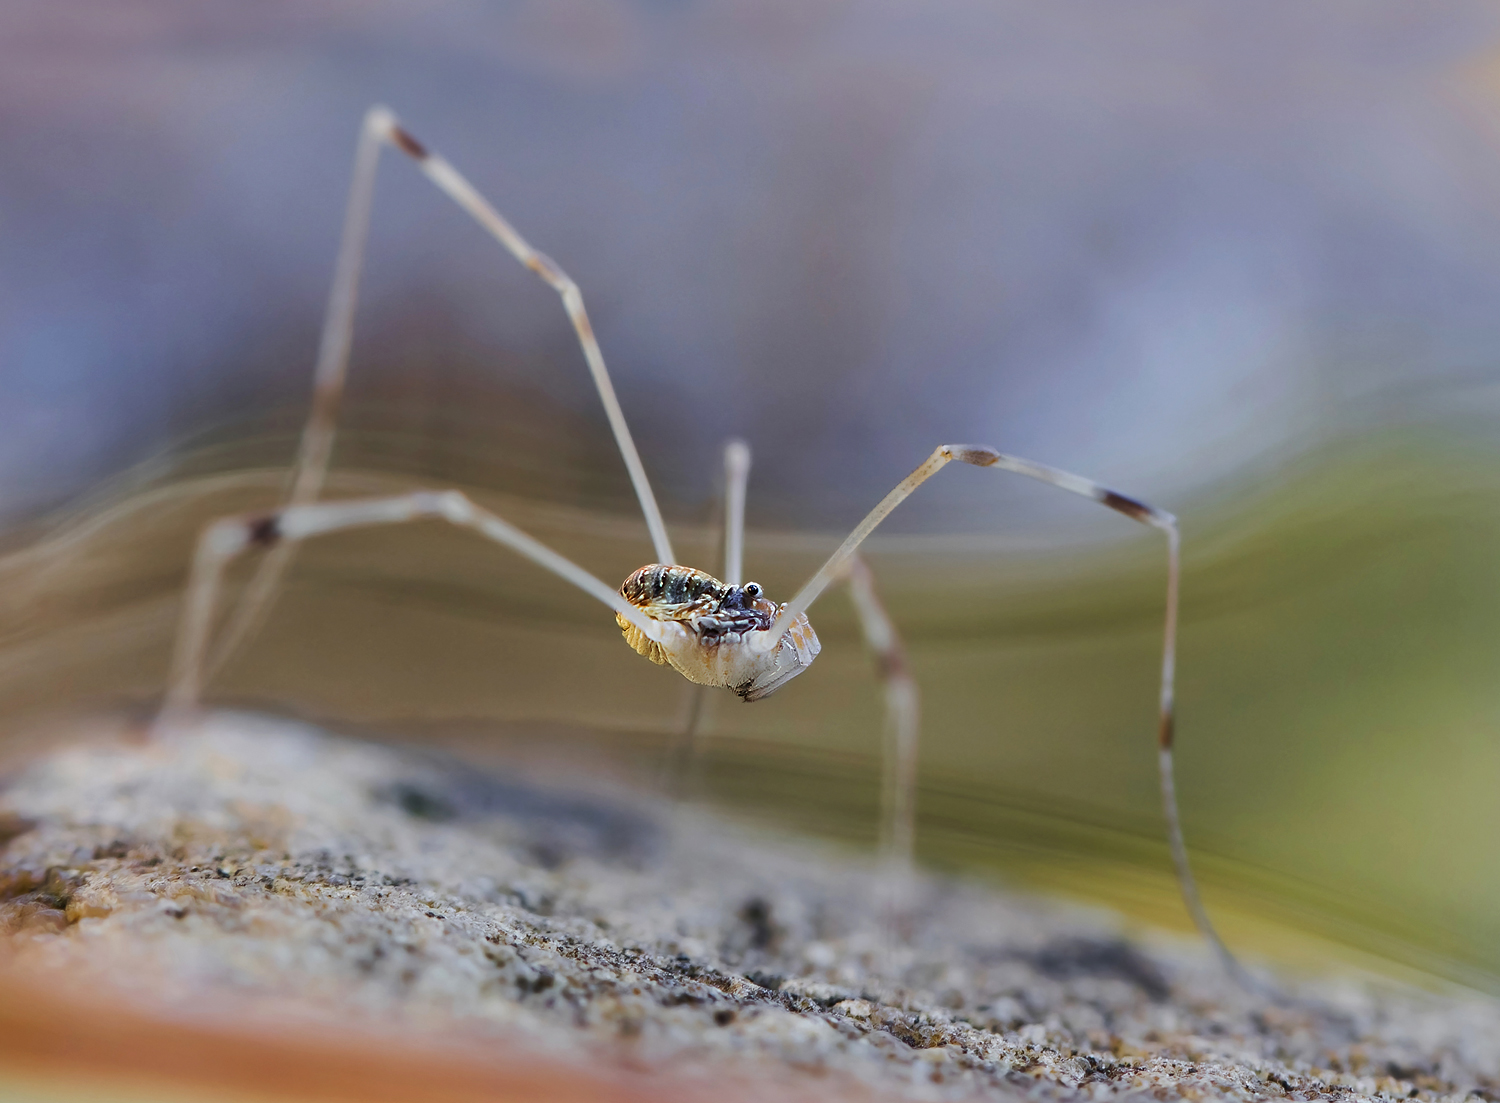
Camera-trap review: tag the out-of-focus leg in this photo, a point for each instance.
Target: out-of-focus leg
(225, 539)
(984, 456)
(902, 716)
(381, 128)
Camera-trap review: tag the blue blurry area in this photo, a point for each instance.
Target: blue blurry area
(1154, 244)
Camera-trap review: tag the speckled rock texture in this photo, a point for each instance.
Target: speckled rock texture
(259, 856)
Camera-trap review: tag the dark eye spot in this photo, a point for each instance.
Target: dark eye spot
(753, 590)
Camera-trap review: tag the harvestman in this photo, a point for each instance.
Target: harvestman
(715, 632)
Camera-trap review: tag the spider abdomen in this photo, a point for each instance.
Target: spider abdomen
(663, 586)
(713, 633)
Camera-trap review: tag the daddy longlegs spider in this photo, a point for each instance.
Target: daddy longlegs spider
(716, 632)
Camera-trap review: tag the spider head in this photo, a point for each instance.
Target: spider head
(742, 597)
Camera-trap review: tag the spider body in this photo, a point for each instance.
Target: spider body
(713, 633)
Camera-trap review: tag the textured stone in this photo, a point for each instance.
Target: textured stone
(262, 856)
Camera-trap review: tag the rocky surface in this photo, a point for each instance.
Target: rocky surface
(258, 856)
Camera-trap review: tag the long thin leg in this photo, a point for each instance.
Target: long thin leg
(899, 758)
(229, 537)
(684, 756)
(902, 717)
(311, 466)
(983, 456)
(898, 788)
(381, 127)
(736, 479)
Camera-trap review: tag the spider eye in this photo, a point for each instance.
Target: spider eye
(752, 590)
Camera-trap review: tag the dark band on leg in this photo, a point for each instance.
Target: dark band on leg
(407, 144)
(980, 455)
(1136, 511)
(264, 531)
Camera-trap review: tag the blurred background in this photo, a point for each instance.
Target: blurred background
(1242, 263)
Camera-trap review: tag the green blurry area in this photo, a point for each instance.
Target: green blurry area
(1338, 760)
